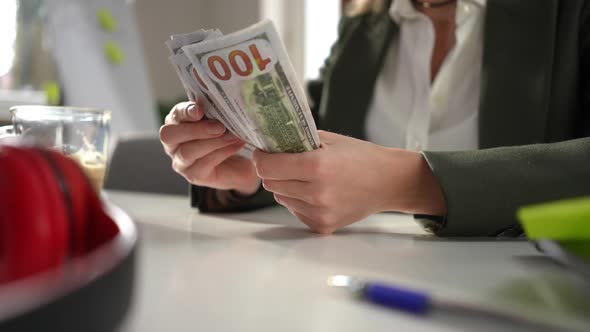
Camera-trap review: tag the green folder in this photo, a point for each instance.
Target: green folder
(565, 221)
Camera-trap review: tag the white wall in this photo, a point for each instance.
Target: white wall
(308, 29)
(321, 31)
(87, 76)
(158, 19)
(288, 18)
(230, 15)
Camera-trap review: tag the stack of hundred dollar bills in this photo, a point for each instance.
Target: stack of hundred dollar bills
(246, 81)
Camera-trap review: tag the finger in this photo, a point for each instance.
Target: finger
(284, 166)
(313, 225)
(203, 167)
(297, 205)
(327, 137)
(290, 188)
(308, 214)
(187, 153)
(185, 112)
(177, 133)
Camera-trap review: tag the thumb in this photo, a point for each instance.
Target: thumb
(329, 138)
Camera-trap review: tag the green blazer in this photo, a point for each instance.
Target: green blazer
(534, 120)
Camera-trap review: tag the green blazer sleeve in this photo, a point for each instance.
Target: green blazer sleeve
(484, 188)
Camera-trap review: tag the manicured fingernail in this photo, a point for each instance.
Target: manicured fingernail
(215, 128)
(230, 137)
(192, 111)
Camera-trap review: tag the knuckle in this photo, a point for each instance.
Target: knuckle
(321, 198)
(260, 169)
(277, 198)
(315, 165)
(182, 154)
(176, 167)
(201, 169)
(174, 116)
(183, 112)
(169, 150)
(194, 177)
(164, 133)
(323, 219)
(268, 185)
(178, 107)
(322, 168)
(311, 166)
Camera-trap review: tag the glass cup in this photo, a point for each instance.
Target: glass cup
(80, 133)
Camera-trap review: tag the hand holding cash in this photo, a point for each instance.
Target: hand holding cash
(246, 87)
(246, 81)
(204, 152)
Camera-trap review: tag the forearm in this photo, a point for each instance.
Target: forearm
(483, 189)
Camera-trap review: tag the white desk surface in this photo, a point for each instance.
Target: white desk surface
(264, 271)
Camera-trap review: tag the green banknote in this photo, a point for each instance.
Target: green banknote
(249, 75)
(269, 105)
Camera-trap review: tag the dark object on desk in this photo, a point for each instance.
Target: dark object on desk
(96, 300)
(140, 164)
(67, 262)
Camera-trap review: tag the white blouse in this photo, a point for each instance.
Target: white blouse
(407, 111)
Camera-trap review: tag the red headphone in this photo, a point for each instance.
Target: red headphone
(54, 231)
(49, 212)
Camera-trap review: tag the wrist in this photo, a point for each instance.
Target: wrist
(413, 188)
(430, 199)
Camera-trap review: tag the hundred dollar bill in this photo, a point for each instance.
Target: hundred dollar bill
(213, 110)
(174, 45)
(187, 74)
(176, 42)
(250, 76)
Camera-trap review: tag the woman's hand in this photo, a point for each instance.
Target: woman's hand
(347, 180)
(204, 152)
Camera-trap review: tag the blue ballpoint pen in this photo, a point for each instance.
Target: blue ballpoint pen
(412, 301)
(421, 303)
